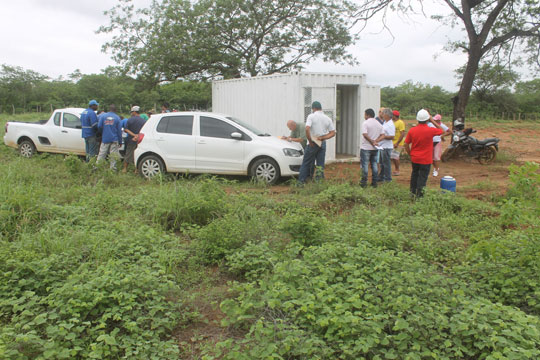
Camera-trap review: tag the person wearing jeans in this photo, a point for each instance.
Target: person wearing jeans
(419, 145)
(313, 155)
(385, 140)
(369, 158)
(319, 128)
(89, 123)
(369, 154)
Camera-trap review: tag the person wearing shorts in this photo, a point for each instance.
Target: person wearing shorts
(132, 128)
(398, 141)
(437, 144)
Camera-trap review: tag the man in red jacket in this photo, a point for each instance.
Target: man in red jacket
(419, 145)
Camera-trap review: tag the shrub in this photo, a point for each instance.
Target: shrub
(522, 205)
(197, 203)
(306, 227)
(225, 235)
(252, 260)
(345, 302)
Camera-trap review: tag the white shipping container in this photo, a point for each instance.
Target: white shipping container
(268, 102)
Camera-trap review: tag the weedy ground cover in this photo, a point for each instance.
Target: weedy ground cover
(96, 264)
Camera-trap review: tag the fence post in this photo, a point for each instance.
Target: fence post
(13, 106)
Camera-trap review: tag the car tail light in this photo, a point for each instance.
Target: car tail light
(139, 138)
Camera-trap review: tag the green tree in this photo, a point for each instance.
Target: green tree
(17, 84)
(490, 79)
(175, 39)
(409, 97)
(494, 30)
(187, 95)
(528, 96)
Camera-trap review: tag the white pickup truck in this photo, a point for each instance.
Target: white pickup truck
(60, 134)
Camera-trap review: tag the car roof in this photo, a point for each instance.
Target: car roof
(208, 113)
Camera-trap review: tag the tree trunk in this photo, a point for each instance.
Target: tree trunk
(462, 98)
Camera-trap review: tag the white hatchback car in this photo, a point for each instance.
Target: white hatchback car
(202, 142)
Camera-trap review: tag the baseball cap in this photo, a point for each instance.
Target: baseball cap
(135, 108)
(316, 105)
(422, 115)
(437, 117)
(93, 102)
(395, 112)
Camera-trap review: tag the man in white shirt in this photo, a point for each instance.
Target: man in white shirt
(371, 130)
(385, 140)
(319, 128)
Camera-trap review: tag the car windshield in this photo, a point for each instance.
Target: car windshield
(248, 126)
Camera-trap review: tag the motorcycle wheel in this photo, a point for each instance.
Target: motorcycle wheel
(487, 155)
(448, 154)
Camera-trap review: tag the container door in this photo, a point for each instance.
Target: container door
(327, 97)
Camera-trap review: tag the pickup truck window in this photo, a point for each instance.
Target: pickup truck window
(182, 125)
(72, 121)
(57, 118)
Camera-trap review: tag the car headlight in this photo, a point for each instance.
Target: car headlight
(456, 138)
(292, 152)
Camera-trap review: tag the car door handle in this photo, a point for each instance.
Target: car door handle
(64, 131)
(160, 139)
(201, 142)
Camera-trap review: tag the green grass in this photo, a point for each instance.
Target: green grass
(97, 264)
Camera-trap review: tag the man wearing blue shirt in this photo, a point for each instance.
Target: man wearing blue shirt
(89, 123)
(111, 136)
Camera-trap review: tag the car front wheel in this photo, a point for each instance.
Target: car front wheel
(27, 148)
(265, 170)
(151, 166)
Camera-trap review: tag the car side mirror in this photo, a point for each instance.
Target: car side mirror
(236, 135)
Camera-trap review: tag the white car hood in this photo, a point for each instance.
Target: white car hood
(274, 140)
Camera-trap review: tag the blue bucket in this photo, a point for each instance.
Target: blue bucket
(448, 183)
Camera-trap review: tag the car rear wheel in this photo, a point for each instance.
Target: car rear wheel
(151, 166)
(27, 148)
(265, 170)
(487, 155)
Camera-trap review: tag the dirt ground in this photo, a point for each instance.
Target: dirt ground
(473, 180)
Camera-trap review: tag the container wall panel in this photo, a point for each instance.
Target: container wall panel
(267, 102)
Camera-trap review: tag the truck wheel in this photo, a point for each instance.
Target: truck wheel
(265, 170)
(27, 148)
(151, 166)
(487, 155)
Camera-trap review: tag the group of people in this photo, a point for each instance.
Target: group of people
(104, 133)
(383, 138)
(383, 141)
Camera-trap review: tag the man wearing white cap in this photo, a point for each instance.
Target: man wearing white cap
(419, 145)
(133, 128)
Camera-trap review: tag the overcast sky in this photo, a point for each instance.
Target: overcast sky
(55, 37)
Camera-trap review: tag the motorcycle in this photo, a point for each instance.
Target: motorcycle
(464, 145)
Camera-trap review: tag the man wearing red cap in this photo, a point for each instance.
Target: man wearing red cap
(398, 140)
